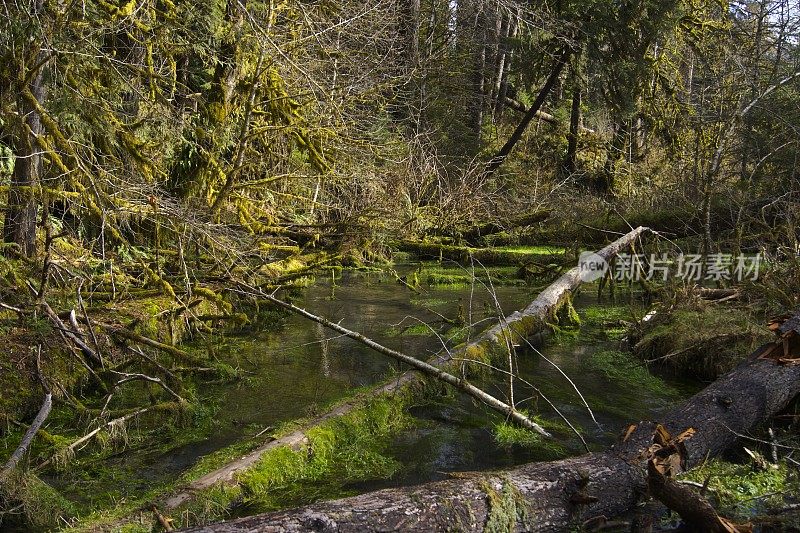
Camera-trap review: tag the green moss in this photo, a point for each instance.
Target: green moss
(622, 367)
(506, 507)
(705, 340)
(507, 434)
(411, 330)
(339, 451)
(44, 507)
(742, 491)
(533, 249)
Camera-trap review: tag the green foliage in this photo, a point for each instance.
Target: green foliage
(43, 506)
(705, 341)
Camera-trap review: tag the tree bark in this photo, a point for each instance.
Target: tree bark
(552, 496)
(44, 411)
(20, 216)
(523, 323)
(570, 162)
(474, 234)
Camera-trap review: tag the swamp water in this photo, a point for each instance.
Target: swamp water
(297, 370)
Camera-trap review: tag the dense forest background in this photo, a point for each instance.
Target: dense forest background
(219, 123)
(195, 153)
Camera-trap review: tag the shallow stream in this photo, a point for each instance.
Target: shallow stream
(300, 368)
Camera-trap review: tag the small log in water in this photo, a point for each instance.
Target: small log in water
(524, 323)
(558, 495)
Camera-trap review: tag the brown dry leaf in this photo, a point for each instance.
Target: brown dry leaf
(629, 432)
(774, 325)
(685, 435)
(661, 436)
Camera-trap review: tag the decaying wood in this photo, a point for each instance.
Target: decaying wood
(466, 255)
(127, 334)
(79, 443)
(41, 416)
(553, 496)
(523, 323)
(92, 358)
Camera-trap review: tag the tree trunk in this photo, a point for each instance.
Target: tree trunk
(552, 496)
(478, 96)
(20, 216)
(510, 30)
(613, 154)
(570, 162)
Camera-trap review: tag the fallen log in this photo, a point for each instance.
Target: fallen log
(559, 495)
(465, 254)
(532, 320)
(27, 439)
(475, 233)
(544, 116)
(421, 366)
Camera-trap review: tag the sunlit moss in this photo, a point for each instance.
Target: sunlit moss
(507, 434)
(337, 452)
(622, 367)
(703, 342)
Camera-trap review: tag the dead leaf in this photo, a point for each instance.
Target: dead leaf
(629, 432)
(661, 436)
(685, 435)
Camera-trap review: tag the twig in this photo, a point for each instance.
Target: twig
(11, 308)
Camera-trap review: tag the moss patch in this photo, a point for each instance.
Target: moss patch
(742, 491)
(338, 452)
(705, 340)
(506, 507)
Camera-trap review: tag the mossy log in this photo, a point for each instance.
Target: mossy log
(559, 495)
(465, 254)
(475, 234)
(524, 324)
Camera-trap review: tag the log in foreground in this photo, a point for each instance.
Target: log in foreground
(552, 496)
(524, 323)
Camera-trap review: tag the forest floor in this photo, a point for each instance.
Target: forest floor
(172, 335)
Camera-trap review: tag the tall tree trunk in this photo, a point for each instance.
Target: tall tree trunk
(478, 70)
(613, 154)
(504, 67)
(20, 217)
(570, 164)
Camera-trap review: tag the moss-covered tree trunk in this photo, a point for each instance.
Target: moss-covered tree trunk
(20, 216)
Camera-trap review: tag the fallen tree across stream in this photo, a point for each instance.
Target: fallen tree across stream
(558, 495)
(532, 320)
